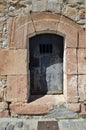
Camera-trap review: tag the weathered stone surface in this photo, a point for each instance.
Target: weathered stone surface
(1, 95)
(30, 29)
(83, 109)
(23, 25)
(54, 5)
(75, 107)
(81, 13)
(11, 29)
(20, 124)
(4, 125)
(45, 26)
(81, 61)
(70, 34)
(48, 125)
(82, 42)
(74, 124)
(69, 22)
(10, 127)
(14, 1)
(20, 37)
(82, 87)
(39, 5)
(4, 113)
(29, 109)
(3, 84)
(3, 105)
(32, 124)
(70, 61)
(45, 21)
(70, 12)
(17, 88)
(61, 112)
(20, 31)
(2, 8)
(11, 14)
(74, 1)
(72, 94)
(72, 9)
(1, 25)
(19, 28)
(36, 107)
(14, 62)
(45, 16)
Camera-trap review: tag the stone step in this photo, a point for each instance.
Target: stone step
(42, 124)
(37, 106)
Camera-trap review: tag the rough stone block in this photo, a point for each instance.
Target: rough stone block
(4, 113)
(3, 105)
(45, 21)
(25, 109)
(69, 22)
(82, 87)
(19, 28)
(2, 8)
(45, 26)
(1, 95)
(22, 19)
(45, 16)
(15, 62)
(74, 1)
(82, 61)
(81, 13)
(17, 90)
(30, 29)
(70, 33)
(72, 93)
(3, 85)
(83, 109)
(20, 31)
(70, 12)
(75, 107)
(20, 37)
(54, 6)
(82, 42)
(39, 5)
(70, 61)
(40, 106)
(10, 30)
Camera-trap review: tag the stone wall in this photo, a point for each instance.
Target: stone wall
(13, 15)
(73, 9)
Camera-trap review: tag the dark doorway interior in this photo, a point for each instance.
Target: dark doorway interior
(46, 64)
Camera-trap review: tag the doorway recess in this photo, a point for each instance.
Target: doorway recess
(46, 64)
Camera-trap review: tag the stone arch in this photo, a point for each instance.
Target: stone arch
(28, 25)
(34, 23)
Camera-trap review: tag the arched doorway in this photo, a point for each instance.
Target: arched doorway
(46, 64)
(27, 26)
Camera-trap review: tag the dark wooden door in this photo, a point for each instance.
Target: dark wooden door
(46, 64)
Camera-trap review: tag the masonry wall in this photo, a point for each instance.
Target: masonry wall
(62, 14)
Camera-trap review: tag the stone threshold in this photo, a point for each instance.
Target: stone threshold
(38, 106)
